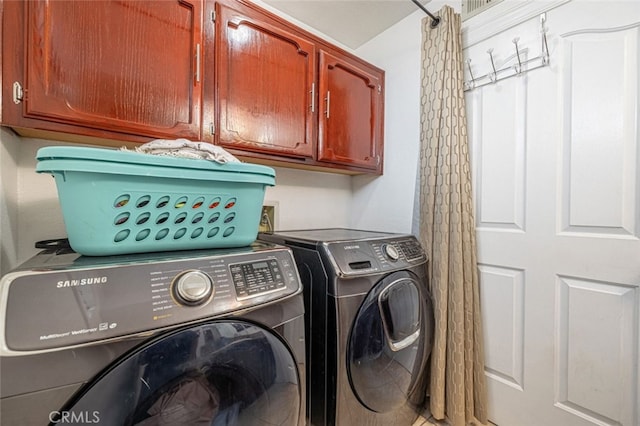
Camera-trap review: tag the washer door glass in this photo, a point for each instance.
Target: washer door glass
(217, 373)
(389, 343)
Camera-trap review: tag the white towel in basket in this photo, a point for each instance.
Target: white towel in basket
(184, 148)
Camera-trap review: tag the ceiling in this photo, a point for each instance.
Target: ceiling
(350, 22)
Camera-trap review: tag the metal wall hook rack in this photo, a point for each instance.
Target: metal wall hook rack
(518, 68)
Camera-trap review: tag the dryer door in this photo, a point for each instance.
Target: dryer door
(390, 342)
(215, 373)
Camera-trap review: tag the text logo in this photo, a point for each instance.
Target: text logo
(74, 417)
(81, 281)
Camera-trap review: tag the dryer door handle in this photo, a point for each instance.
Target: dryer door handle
(401, 344)
(399, 306)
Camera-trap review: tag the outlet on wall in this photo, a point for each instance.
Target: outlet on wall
(267, 219)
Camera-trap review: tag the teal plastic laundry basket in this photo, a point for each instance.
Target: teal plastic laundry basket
(118, 202)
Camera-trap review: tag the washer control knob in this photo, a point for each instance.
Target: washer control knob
(192, 288)
(391, 252)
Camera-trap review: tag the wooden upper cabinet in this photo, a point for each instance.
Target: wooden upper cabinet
(222, 71)
(122, 66)
(351, 122)
(265, 80)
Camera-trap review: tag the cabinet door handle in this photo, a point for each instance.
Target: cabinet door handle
(328, 99)
(313, 97)
(18, 93)
(198, 63)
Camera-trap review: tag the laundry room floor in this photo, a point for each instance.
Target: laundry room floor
(426, 419)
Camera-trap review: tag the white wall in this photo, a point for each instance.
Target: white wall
(39, 215)
(8, 199)
(307, 199)
(386, 203)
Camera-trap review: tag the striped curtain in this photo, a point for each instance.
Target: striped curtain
(457, 391)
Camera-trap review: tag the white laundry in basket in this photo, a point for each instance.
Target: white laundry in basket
(184, 148)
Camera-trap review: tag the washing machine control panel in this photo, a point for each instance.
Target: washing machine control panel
(57, 308)
(256, 278)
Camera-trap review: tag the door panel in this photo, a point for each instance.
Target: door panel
(266, 85)
(599, 161)
(131, 67)
(557, 170)
(350, 129)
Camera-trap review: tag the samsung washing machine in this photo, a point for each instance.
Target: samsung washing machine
(369, 324)
(184, 338)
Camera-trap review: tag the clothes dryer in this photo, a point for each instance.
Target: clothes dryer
(369, 324)
(185, 338)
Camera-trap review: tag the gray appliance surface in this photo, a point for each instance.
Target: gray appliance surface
(71, 325)
(355, 253)
(369, 324)
(331, 235)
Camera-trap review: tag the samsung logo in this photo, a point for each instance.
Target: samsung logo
(82, 281)
(353, 247)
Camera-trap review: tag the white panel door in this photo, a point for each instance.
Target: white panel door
(556, 159)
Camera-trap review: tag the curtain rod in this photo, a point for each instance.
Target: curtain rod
(434, 19)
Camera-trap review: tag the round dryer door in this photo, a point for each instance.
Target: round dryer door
(217, 373)
(390, 343)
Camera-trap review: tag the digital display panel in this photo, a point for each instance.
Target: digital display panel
(256, 278)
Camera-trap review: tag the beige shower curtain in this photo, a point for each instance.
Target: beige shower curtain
(447, 229)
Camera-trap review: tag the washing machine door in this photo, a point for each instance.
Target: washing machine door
(216, 373)
(390, 343)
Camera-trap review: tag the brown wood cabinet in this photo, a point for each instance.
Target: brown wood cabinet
(222, 71)
(350, 130)
(286, 94)
(265, 79)
(124, 67)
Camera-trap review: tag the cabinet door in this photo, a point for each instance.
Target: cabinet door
(266, 89)
(350, 123)
(124, 66)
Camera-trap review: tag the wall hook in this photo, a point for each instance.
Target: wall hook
(518, 67)
(472, 83)
(511, 68)
(545, 47)
(545, 50)
(494, 75)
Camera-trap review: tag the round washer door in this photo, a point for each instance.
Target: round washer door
(215, 373)
(390, 343)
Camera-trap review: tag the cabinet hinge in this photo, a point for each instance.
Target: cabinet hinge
(379, 88)
(213, 16)
(212, 128)
(18, 93)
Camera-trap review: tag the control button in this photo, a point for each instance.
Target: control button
(192, 288)
(390, 252)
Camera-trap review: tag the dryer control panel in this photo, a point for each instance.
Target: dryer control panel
(355, 258)
(93, 299)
